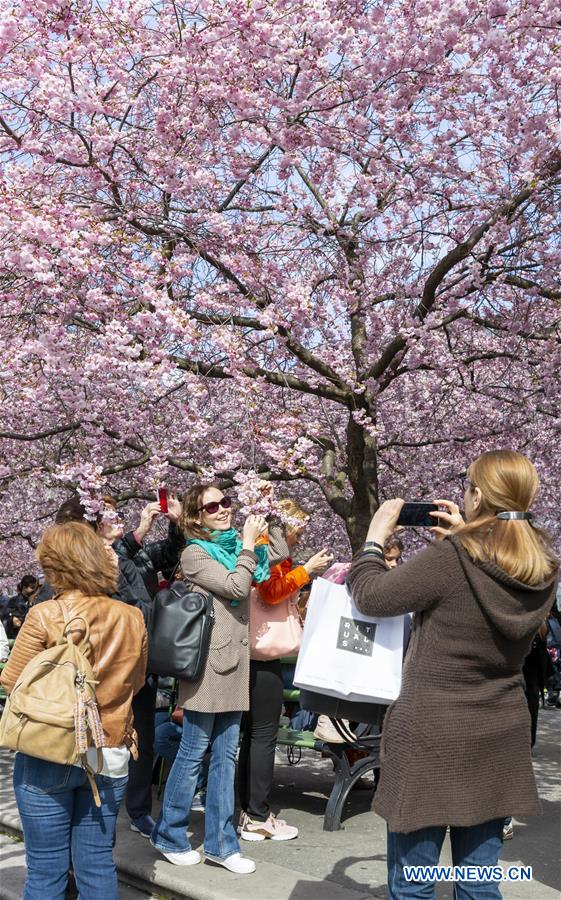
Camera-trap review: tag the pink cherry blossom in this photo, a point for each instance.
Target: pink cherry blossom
(314, 245)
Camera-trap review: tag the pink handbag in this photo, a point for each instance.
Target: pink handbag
(275, 630)
(337, 573)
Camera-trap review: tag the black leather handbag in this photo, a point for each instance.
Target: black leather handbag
(179, 632)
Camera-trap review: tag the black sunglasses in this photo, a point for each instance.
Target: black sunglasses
(466, 483)
(213, 507)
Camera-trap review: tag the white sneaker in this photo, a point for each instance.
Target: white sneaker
(183, 858)
(237, 863)
(273, 828)
(508, 831)
(325, 731)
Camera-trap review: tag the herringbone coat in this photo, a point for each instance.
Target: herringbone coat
(224, 684)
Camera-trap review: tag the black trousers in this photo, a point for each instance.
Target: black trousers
(138, 798)
(532, 691)
(260, 725)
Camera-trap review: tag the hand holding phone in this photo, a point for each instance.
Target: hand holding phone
(163, 499)
(445, 519)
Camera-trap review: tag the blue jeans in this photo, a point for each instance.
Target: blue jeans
(222, 731)
(167, 738)
(60, 820)
(304, 720)
(478, 845)
(287, 672)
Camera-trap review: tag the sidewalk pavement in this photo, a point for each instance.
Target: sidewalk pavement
(346, 865)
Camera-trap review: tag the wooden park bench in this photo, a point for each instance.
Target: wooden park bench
(345, 773)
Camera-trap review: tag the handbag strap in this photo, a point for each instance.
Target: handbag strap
(174, 571)
(197, 589)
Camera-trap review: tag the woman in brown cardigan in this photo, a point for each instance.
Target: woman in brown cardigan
(219, 562)
(479, 596)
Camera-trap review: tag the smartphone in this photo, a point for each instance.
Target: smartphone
(163, 499)
(417, 514)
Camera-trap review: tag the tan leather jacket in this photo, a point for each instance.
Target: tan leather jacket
(118, 652)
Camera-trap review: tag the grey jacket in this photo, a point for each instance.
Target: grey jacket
(224, 684)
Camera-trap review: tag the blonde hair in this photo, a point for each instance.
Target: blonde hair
(290, 509)
(508, 481)
(74, 558)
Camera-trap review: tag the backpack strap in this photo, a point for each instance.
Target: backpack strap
(85, 713)
(84, 643)
(90, 774)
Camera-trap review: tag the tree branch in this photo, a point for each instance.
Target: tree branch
(445, 440)
(10, 132)
(125, 466)
(38, 435)
(279, 379)
(296, 348)
(239, 184)
(461, 251)
(453, 257)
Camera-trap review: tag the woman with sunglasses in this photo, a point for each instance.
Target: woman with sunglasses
(217, 560)
(479, 594)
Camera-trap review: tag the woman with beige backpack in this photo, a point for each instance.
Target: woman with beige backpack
(70, 808)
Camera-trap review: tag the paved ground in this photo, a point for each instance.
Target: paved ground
(345, 865)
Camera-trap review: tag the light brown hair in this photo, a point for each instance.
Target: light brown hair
(292, 510)
(74, 558)
(190, 511)
(508, 481)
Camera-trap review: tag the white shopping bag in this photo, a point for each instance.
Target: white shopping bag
(346, 654)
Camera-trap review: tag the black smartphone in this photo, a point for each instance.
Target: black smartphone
(417, 514)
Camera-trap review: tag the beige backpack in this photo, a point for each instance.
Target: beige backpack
(52, 711)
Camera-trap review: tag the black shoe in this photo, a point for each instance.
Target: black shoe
(71, 888)
(144, 825)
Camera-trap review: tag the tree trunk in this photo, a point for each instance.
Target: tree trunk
(363, 476)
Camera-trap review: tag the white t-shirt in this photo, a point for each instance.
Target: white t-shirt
(4, 645)
(115, 761)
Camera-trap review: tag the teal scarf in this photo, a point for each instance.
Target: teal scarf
(225, 547)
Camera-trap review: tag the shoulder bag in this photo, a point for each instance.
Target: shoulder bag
(179, 633)
(275, 629)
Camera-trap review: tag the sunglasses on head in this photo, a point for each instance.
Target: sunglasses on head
(213, 507)
(465, 482)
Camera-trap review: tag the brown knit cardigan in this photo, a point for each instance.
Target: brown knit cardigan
(456, 742)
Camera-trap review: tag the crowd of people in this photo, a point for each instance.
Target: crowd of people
(482, 598)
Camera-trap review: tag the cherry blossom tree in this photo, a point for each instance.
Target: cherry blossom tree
(315, 243)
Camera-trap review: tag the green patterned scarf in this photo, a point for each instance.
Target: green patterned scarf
(225, 547)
